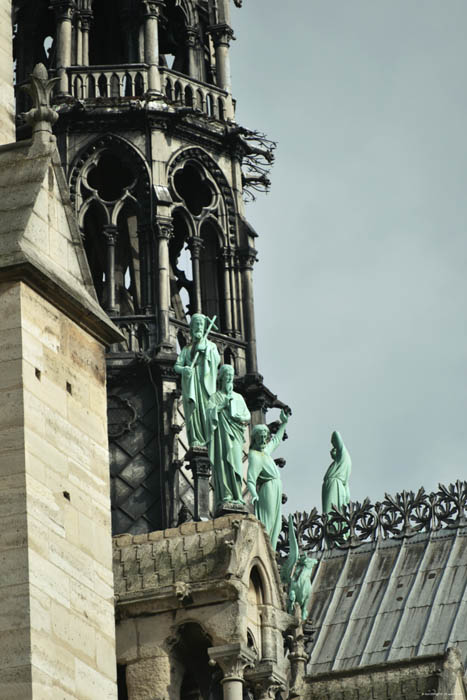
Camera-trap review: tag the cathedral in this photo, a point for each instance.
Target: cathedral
(127, 572)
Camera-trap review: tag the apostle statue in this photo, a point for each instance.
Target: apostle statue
(263, 480)
(336, 480)
(227, 416)
(197, 364)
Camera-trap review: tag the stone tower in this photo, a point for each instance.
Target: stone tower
(7, 128)
(154, 159)
(57, 631)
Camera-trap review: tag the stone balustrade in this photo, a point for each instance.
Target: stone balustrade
(131, 80)
(188, 92)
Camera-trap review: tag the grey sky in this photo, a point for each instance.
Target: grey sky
(361, 285)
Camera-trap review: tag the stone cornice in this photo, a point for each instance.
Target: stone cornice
(55, 292)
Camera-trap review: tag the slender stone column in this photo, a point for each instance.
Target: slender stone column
(151, 44)
(226, 257)
(192, 44)
(86, 19)
(165, 233)
(79, 42)
(266, 680)
(64, 10)
(110, 233)
(222, 35)
(201, 469)
(232, 658)
(236, 296)
(247, 260)
(195, 243)
(223, 12)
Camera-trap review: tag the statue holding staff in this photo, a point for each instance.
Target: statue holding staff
(197, 364)
(227, 415)
(263, 480)
(336, 480)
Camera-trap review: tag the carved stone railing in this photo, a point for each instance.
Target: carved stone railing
(139, 331)
(91, 82)
(403, 515)
(131, 80)
(188, 92)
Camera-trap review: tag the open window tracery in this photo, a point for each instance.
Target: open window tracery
(110, 189)
(199, 227)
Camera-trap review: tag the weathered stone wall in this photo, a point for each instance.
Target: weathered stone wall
(401, 681)
(199, 575)
(57, 616)
(7, 125)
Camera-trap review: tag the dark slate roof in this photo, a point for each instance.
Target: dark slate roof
(389, 600)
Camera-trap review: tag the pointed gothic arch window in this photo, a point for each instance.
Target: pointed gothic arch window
(211, 278)
(255, 601)
(110, 190)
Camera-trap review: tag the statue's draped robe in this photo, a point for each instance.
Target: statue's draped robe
(197, 390)
(226, 417)
(264, 479)
(336, 482)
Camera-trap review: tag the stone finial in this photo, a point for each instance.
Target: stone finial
(41, 117)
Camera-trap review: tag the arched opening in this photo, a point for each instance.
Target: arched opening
(255, 599)
(221, 109)
(178, 92)
(95, 247)
(114, 35)
(139, 85)
(33, 42)
(181, 269)
(110, 191)
(102, 85)
(188, 96)
(200, 680)
(211, 273)
(173, 47)
(91, 86)
(114, 85)
(168, 89)
(127, 262)
(122, 690)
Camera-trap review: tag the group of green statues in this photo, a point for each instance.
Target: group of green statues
(216, 417)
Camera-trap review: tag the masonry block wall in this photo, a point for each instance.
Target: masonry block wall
(56, 589)
(7, 123)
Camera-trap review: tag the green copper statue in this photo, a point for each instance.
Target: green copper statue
(296, 574)
(198, 363)
(227, 416)
(264, 473)
(336, 480)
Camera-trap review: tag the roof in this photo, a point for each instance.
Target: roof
(39, 238)
(389, 600)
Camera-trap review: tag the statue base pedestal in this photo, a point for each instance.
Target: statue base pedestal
(229, 508)
(200, 466)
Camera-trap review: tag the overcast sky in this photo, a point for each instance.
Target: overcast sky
(361, 283)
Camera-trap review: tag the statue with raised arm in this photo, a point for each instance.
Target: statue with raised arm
(263, 480)
(296, 574)
(197, 364)
(227, 416)
(336, 480)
